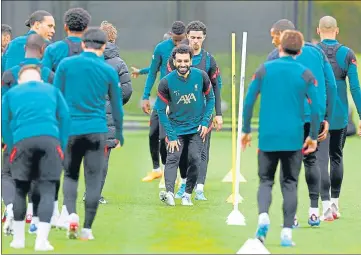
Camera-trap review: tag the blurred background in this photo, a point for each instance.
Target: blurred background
(142, 24)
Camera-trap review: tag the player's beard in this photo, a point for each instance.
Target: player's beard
(183, 69)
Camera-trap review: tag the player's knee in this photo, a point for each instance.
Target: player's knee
(195, 159)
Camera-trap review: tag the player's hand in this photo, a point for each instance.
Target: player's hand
(218, 122)
(173, 145)
(135, 72)
(146, 106)
(204, 131)
(309, 146)
(118, 145)
(167, 110)
(359, 128)
(324, 132)
(246, 141)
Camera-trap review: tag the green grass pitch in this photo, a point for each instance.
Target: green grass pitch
(135, 221)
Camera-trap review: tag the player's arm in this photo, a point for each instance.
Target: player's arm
(210, 99)
(6, 81)
(216, 81)
(313, 102)
(163, 99)
(144, 70)
(59, 78)
(153, 70)
(63, 116)
(125, 82)
(353, 79)
(116, 101)
(253, 91)
(5, 123)
(48, 58)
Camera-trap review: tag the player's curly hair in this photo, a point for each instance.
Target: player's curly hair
(178, 28)
(196, 26)
(77, 19)
(182, 49)
(110, 30)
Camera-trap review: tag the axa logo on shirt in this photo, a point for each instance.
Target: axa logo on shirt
(187, 99)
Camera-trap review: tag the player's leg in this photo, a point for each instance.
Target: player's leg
(267, 166)
(203, 168)
(170, 173)
(21, 160)
(154, 148)
(323, 159)
(313, 177)
(21, 190)
(163, 153)
(46, 186)
(337, 143)
(94, 161)
(7, 190)
(183, 168)
(105, 173)
(35, 198)
(30, 207)
(291, 167)
(73, 156)
(56, 213)
(195, 147)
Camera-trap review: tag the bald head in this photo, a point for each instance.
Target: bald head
(34, 47)
(327, 28)
(327, 23)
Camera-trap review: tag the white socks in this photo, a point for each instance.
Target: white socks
(325, 205)
(56, 209)
(35, 221)
(19, 231)
(184, 181)
(263, 219)
(29, 209)
(9, 210)
(157, 170)
(43, 232)
(286, 233)
(200, 187)
(314, 211)
(334, 201)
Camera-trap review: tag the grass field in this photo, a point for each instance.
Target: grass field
(135, 221)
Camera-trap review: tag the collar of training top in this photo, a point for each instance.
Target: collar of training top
(74, 38)
(30, 32)
(330, 41)
(29, 61)
(89, 54)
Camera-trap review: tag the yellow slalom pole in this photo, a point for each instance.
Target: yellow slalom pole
(234, 135)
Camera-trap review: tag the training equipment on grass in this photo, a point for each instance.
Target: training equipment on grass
(236, 217)
(253, 246)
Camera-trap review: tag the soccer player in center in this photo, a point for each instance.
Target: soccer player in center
(160, 57)
(203, 60)
(281, 102)
(188, 93)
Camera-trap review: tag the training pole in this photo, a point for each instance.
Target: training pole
(236, 217)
